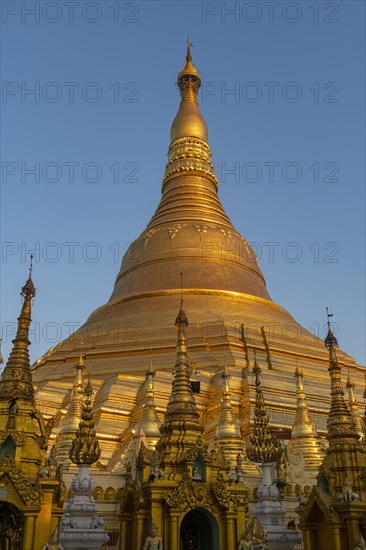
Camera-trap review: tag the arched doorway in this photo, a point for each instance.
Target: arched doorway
(199, 531)
(11, 527)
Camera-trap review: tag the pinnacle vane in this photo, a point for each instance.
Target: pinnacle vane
(330, 341)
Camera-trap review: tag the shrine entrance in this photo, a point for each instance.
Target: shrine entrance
(199, 531)
(11, 527)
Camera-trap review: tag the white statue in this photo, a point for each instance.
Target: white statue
(153, 542)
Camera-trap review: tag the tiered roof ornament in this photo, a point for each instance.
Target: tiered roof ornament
(16, 379)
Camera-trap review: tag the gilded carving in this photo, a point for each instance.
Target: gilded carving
(221, 493)
(184, 493)
(173, 230)
(200, 448)
(31, 493)
(314, 498)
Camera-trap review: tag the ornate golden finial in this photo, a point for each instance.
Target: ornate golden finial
(263, 445)
(16, 379)
(85, 447)
(189, 152)
(341, 426)
(189, 80)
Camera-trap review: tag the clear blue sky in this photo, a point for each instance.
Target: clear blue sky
(105, 96)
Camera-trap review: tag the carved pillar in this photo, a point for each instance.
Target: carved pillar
(231, 535)
(29, 530)
(174, 531)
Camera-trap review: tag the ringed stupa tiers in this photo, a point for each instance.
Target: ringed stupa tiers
(225, 296)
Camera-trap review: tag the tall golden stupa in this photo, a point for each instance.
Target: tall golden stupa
(131, 342)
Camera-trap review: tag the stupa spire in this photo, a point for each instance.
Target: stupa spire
(263, 445)
(16, 379)
(85, 446)
(341, 426)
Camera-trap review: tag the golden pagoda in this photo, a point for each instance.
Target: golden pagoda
(231, 314)
(31, 488)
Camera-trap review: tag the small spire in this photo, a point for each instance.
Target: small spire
(341, 426)
(76, 400)
(304, 436)
(16, 379)
(353, 406)
(227, 426)
(149, 421)
(350, 385)
(303, 425)
(181, 402)
(85, 447)
(263, 445)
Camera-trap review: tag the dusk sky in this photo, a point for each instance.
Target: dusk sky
(83, 154)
